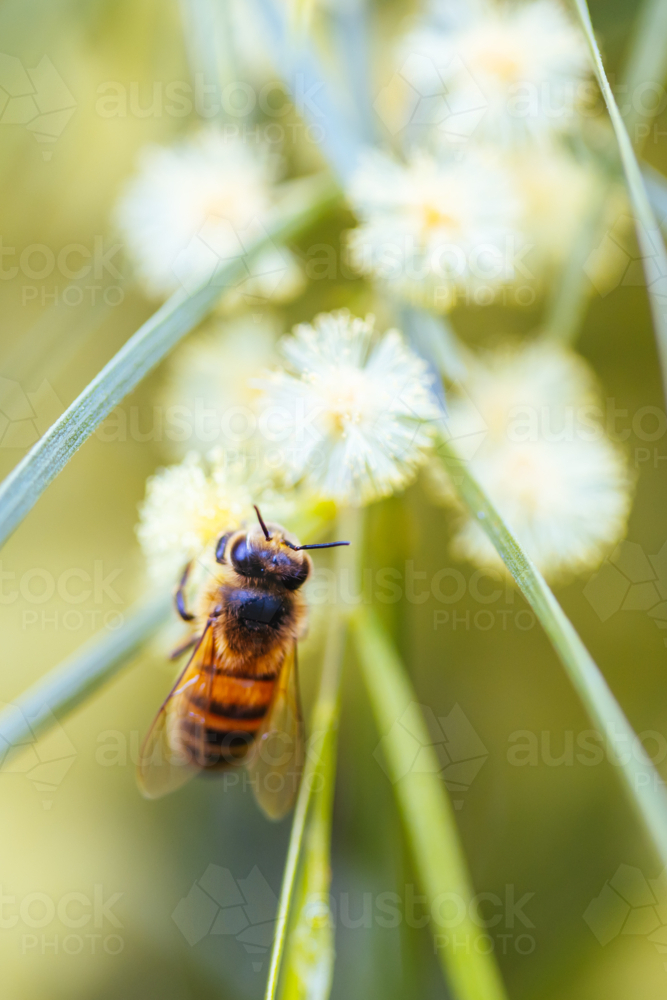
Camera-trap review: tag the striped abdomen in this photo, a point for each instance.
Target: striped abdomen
(216, 732)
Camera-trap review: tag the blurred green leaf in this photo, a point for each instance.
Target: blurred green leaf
(324, 723)
(649, 237)
(21, 490)
(656, 186)
(318, 773)
(79, 677)
(427, 814)
(571, 292)
(646, 63)
(340, 140)
(642, 781)
(309, 951)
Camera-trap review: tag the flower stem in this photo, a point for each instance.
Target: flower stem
(645, 789)
(22, 488)
(324, 724)
(427, 815)
(76, 679)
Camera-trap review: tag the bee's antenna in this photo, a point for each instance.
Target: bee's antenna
(320, 545)
(267, 533)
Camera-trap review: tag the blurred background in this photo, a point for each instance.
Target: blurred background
(92, 876)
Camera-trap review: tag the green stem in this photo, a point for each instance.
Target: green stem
(647, 63)
(79, 677)
(649, 238)
(309, 948)
(23, 487)
(647, 60)
(325, 720)
(427, 815)
(568, 302)
(642, 782)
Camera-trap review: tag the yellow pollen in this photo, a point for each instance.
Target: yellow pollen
(500, 63)
(219, 208)
(434, 218)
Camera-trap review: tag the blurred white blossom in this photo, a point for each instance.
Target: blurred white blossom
(559, 195)
(197, 204)
(533, 422)
(353, 410)
(188, 506)
(435, 228)
(508, 70)
(208, 388)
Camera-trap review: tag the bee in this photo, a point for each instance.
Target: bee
(237, 699)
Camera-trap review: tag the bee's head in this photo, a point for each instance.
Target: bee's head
(268, 552)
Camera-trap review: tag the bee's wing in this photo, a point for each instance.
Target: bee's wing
(275, 760)
(164, 765)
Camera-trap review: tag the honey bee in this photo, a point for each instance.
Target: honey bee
(237, 699)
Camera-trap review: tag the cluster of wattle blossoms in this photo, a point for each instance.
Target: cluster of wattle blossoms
(491, 108)
(529, 421)
(491, 174)
(199, 204)
(354, 416)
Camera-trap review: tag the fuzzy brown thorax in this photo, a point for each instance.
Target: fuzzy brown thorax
(254, 599)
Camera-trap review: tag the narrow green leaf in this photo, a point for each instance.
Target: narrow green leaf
(656, 186)
(570, 295)
(78, 678)
(646, 64)
(26, 483)
(323, 727)
(325, 718)
(649, 237)
(642, 782)
(309, 952)
(340, 140)
(647, 61)
(435, 339)
(428, 817)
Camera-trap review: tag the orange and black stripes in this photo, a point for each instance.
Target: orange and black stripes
(218, 726)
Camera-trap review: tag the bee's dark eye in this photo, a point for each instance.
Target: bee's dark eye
(245, 561)
(295, 576)
(221, 546)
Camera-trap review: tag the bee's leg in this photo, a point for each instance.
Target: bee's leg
(180, 596)
(188, 644)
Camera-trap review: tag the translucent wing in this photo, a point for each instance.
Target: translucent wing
(275, 760)
(166, 761)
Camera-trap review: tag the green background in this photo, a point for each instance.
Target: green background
(556, 832)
